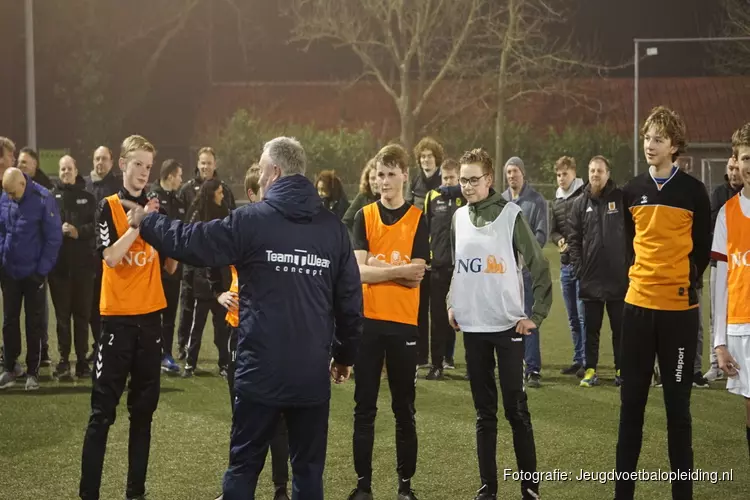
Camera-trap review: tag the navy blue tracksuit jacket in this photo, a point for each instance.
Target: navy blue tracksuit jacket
(300, 288)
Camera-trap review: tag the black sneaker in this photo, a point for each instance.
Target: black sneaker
(62, 370)
(188, 373)
(358, 494)
(45, 362)
(534, 380)
(572, 369)
(407, 496)
(700, 381)
(483, 494)
(581, 372)
(436, 373)
(83, 370)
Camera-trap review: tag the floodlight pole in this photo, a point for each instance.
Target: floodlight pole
(636, 75)
(30, 76)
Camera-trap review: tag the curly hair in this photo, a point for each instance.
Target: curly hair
(432, 145)
(332, 184)
(478, 156)
(364, 179)
(740, 138)
(669, 124)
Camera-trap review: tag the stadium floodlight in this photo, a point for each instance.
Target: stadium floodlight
(653, 51)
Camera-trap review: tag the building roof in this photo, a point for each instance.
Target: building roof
(713, 107)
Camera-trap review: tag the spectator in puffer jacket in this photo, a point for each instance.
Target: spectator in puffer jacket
(570, 188)
(30, 239)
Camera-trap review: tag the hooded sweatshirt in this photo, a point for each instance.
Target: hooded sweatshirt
(300, 288)
(527, 250)
(561, 209)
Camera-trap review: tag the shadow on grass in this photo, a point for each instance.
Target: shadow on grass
(61, 389)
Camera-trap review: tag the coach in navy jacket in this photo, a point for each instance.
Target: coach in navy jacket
(30, 239)
(300, 305)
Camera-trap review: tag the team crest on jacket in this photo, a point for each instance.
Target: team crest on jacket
(612, 207)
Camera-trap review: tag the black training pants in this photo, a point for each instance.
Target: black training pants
(423, 320)
(71, 291)
(187, 303)
(32, 295)
(201, 308)
(481, 349)
(95, 318)
(129, 346)
(280, 440)
(594, 317)
(671, 337)
(441, 332)
(400, 354)
(169, 314)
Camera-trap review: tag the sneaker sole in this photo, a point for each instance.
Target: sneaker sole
(8, 385)
(701, 386)
(32, 388)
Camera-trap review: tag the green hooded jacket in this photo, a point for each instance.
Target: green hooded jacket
(525, 245)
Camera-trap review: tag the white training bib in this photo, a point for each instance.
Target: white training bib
(487, 288)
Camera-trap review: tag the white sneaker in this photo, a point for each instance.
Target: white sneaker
(32, 384)
(714, 374)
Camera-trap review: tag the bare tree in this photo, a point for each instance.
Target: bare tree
(409, 48)
(734, 57)
(530, 60)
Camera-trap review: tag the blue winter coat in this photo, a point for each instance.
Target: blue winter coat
(30, 232)
(300, 288)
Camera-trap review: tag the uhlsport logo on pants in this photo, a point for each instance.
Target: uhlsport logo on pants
(489, 265)
(680, 364)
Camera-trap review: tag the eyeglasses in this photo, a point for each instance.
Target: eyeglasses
(471, 180)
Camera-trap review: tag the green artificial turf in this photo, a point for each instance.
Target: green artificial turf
(41, 434)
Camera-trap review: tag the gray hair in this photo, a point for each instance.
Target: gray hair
(288, 154)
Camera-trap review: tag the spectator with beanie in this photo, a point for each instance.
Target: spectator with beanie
(570, 188)
(170, 203)
(30, 239)
(71, 282)
(534, 208)
(429, 155)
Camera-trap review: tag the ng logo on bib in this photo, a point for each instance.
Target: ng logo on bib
(489, 265)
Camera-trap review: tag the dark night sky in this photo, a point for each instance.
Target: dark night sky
(609, 26)
(181, 79)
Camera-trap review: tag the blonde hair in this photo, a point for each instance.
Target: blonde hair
(136, 143)
(252, 178)
(207, 150)
(565, 163)
(7, 144)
